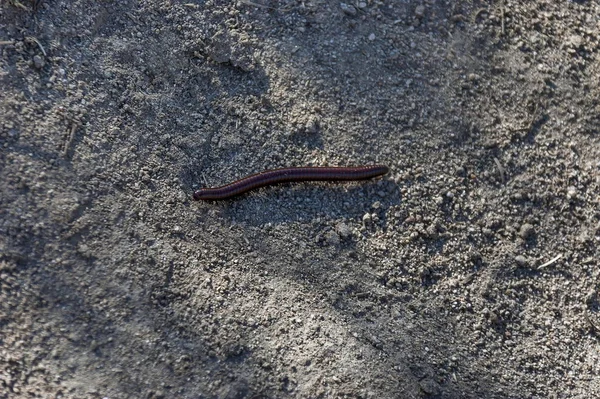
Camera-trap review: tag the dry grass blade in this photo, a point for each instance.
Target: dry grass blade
(251, 3)
(551, 261)
(36, 41)
(500, 169)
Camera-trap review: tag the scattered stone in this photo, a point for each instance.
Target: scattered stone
(526, 231)
(521, 261)
(38, 62)
(571, 193)
(372, 37)
(332, 238)
(420, 11)
(348, 9)
(429, 386)
(312, 125)
(431, 230)
(343, 230)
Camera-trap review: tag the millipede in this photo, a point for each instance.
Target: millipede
(288, 175)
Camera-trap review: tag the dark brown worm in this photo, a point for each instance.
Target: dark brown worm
(287, 175)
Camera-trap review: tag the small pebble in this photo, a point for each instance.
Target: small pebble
(372, 36)
(420, 11)
(526, 231)
(348, 9)
(38, 62)
(343, 230)
(429, 386)
(521, 260)
(487, 232)
(332, 238)
(312, 126)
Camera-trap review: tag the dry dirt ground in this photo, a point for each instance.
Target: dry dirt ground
(470, 271)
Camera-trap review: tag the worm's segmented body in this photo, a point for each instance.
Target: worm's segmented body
(287, 175)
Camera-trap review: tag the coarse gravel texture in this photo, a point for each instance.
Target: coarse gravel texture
(470, 271)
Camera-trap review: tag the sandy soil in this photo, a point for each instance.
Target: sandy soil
(470, 271)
